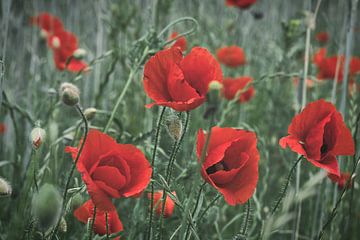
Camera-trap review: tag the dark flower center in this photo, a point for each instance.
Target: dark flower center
(323, 148)
(217, 167)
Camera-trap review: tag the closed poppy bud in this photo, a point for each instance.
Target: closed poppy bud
(90, 113)
(79, 53)
(46, 206)
(5, 188)
(63, 225)
(215, 85)
(69, 94)
(319, 134)
(37, 137)
(174, 127)
(231, 162)
(169, 204)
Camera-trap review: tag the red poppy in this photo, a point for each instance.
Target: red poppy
(232, 56)
(231, 162)
(180, 42)
(2, 128)
(86, 212)
(320, 134)
(309, 82)
(322, 37)
(341, 180)
(233, 85)
(111, 170)
(327, 65)
(169, 204)
(180, 82)
(240, 3)
(64, 45)
(47, 22)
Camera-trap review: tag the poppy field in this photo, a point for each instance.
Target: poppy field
(169, 119)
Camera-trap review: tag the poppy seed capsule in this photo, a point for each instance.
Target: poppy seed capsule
(37, 137)
(69, 94)
(46, 206)
(79, 53)
(174, 127)
(55, 42)
(5, 188)
(90, 113)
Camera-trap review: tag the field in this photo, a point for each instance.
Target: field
(173, 119)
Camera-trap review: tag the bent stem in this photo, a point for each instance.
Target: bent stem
(72, 169)
(176, 148)
(152, 173)
(286, 185)
(126, 87)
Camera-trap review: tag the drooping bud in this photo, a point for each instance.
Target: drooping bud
(174, 127)
(69, 94)
(215, 85)
(5, 188)
(37, 137)
(79, 53)
(55, 42)
(90, 113)
(63, 225)
(46, 206)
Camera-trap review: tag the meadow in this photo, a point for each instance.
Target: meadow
(171, 119)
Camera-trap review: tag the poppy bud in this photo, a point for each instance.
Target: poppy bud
(63, 225)
(215, 85)
(37, 137)
(55, 42)
(5, 188)
(43, 34)
(46, 206)
(69, 94)
(90, 113)
(79, 53)
(174, 127)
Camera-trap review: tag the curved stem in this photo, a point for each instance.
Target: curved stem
(286, 185)
(152, 173)
(126, 87)
(183, 19)
(209, 206)
(72, 169)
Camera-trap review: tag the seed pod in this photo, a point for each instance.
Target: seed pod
(37, 137)
(5, 188)
(79, 53)
(46, 206)
(69, 94)
(215, 85)
(90, 113)
(55, 42)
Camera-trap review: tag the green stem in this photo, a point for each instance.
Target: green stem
(107, 225)
(209, 206)
(126, 87)
(72, 169)
(152, 173)
(286, 185)
(92, 224)
(247, 218)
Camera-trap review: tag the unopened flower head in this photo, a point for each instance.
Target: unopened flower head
(174, 127)
(5, 188)
(69, 94)
(37, 137)
(90, 113)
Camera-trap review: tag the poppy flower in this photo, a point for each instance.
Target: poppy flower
(320, 134)
(169, 204)
(180, 42)
(231, 162)
(86, 212)
(64, 44)
(2, 128)
(48, 23)
(111, 170)
(232, 56)
(341, 180)
(233, 85)
(178, 82)
(240, 3)
(319, 56)
(322, 37)
(309, 82)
